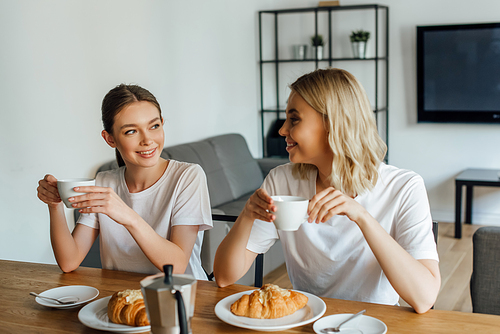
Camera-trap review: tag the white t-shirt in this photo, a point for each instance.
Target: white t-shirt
(179, 197)
(333, 259)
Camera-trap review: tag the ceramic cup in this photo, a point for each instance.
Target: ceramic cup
(66, 186)
(291, 212)
(299, 51)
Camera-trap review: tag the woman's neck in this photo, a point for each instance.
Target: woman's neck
(322, 180)
(139, 178)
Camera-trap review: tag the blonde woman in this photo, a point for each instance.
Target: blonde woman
(369, 236)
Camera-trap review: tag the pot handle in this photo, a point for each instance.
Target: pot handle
(181, 310)
(167, 269)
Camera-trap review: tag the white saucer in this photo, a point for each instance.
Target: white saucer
(314, 309)
(95, 315)
(82, 292)
(363, 323)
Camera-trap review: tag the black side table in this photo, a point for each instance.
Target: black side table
(471, 178)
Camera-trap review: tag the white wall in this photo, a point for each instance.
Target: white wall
(438, 151)
(58, 58)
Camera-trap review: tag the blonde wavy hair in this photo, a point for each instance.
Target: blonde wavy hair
(350, 123)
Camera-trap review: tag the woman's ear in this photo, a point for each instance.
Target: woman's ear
(108, 138)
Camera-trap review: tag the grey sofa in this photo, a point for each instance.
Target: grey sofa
(232, 176)
(485, 278)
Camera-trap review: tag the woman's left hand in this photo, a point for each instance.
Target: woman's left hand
(330, 202)
(102, 200)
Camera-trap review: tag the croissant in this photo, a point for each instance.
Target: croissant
(269, 302)
(127, 307)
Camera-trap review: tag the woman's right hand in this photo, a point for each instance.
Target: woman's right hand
(47, 191)
(260, 206)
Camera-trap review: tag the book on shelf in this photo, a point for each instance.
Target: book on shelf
(328, 3)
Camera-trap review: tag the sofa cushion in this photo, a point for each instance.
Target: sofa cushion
(267, 164)
(242, 171)
(232, 208)
(107, 166)
(203, 154)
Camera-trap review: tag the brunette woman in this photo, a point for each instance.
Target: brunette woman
(149, 212)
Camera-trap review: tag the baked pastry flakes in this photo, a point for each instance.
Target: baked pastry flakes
(269, 302)
(127, 307)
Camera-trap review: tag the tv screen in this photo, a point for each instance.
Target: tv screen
(458, 73)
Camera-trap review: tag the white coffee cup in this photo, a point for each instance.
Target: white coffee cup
(291, 212)
(66, 186)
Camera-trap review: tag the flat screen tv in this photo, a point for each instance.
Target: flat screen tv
(458, 73)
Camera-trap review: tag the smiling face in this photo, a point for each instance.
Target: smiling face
(305, 133)
(137, 134)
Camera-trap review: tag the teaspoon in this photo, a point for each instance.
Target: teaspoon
(337, 329)
(69, 300)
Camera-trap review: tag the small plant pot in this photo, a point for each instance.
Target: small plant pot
(317, 52)
(359, 49)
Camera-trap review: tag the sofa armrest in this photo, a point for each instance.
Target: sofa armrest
(266, 164)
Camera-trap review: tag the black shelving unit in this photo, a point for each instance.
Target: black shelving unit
(381, 56)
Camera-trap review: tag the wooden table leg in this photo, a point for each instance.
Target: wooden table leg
(458, 210)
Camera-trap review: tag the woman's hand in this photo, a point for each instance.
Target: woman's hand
(259, 206)
(102, 200)
(47, 191)
(330, 202)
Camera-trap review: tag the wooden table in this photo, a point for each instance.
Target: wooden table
(19, 313)
(471, 178)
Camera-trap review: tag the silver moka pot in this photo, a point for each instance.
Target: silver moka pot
(170, 302)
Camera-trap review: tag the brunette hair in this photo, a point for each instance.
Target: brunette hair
(350, 122)
(117, 99)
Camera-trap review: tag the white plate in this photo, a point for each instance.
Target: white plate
(95, 315)
(364, 323)
(314, 309)
(82, 292)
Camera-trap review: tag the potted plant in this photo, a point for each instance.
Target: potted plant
(317, 46)
(359, 38)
